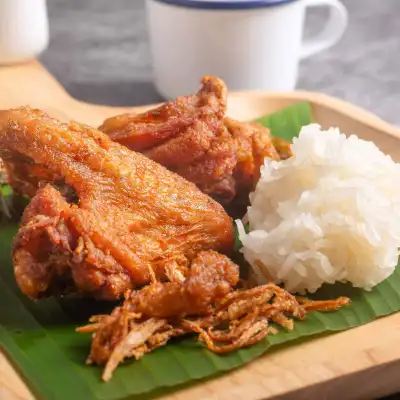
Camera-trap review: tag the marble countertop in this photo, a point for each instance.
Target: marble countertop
(99, 51)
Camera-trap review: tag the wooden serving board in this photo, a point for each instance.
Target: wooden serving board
(359, 363)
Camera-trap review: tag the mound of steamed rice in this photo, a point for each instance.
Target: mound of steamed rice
(329, 213)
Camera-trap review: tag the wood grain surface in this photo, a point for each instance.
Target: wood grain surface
(360, 363)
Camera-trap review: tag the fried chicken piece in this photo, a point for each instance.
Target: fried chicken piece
(191, 137)
(253, 143)
(108, 219)
(181, 118)
(186, 136)
(24, 176)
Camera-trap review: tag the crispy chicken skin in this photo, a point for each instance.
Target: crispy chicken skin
(252, 144)
(197, 115)
(192, 137)
(105, 219)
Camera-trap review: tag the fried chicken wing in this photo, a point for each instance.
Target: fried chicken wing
(192, 137)
(197, 113)
(104, 219)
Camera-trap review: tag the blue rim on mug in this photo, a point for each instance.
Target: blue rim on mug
(225, 5)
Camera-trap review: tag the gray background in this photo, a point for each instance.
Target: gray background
(99, 51)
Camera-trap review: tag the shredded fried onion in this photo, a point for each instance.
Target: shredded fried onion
(242, 318)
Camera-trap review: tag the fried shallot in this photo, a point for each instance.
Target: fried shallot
(204, 303)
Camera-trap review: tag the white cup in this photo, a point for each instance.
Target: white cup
(24, 30)
(251, 44)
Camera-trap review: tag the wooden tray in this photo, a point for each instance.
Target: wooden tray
(359, 363)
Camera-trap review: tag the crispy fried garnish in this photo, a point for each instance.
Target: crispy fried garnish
(240, 319)
(323, 305)
(136, 338)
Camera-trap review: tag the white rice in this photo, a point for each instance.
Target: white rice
(329, 213)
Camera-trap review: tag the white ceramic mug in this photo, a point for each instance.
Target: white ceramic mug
(24, 30)
(251, 44)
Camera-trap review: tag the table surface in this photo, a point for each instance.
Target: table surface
(99, 51)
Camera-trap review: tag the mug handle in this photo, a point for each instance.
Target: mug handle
(333, 31)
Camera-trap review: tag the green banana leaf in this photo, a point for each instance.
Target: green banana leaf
(286, 123)
(40, 340)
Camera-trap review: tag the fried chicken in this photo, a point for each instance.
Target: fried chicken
(252, 143)
(104, 219)
(181, 118)
(192, 137)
